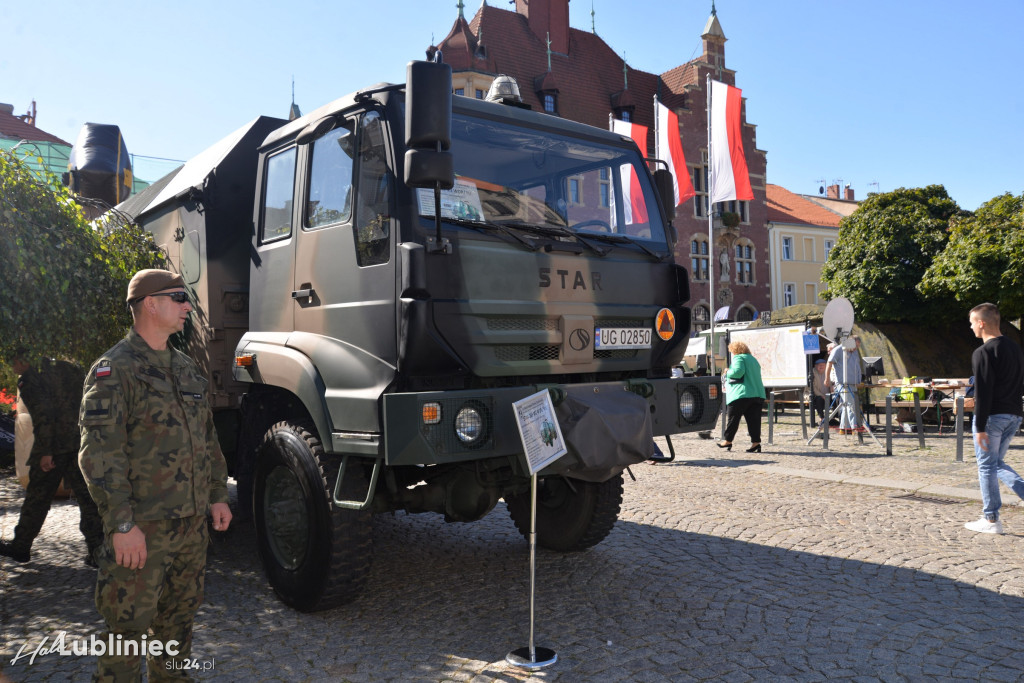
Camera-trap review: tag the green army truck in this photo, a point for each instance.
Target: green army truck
(377, 282)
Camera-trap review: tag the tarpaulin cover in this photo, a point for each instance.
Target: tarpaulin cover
(605, 432)
(100, 167)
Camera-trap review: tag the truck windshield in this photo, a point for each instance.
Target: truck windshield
(513, 175)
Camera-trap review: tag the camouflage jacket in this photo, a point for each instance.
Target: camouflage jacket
(149, 450)
(52, 395)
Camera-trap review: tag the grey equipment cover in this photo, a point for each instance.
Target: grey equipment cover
(604, 432)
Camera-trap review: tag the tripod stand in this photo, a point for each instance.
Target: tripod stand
(850, 391)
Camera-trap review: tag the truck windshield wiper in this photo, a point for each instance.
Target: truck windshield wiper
(625, 239)
(493, 227)
(559, 231)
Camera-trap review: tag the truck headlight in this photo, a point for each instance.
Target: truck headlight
(690, 405)
(470, 425)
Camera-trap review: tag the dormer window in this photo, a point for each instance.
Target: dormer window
(550, 103)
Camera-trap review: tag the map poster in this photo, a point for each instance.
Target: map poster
(539, 430)
(780, 351)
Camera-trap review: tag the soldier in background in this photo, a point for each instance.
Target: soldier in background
(52, 395)
(150, 455)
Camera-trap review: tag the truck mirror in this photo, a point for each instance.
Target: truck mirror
(429, 168)
(428, 105)
(665, 183)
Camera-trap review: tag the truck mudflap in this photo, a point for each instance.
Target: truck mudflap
(612, 423)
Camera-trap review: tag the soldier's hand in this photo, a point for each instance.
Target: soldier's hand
(46, 463)
(130, 548)
(221, 514)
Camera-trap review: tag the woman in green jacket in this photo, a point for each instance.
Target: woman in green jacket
(744, 396)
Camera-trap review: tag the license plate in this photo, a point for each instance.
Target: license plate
(622, 338)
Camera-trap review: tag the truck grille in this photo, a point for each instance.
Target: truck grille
(539, 351)
(522, 352)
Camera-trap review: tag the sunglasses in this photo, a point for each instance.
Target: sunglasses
(176, 297)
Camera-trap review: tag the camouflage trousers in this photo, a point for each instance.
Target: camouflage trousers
(39, 495)
(160, 599)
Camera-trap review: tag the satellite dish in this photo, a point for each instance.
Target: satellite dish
(837, 320)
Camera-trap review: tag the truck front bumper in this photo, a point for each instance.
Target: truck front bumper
(455, 426)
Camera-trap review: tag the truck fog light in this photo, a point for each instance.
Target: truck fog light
(469, 425)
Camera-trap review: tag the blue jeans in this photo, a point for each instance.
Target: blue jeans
(848, 418)
(991, 466)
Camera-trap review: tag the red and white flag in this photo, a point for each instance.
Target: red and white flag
(670, 150)
(632, 195)
(729, 176)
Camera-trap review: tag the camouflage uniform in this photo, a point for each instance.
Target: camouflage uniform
(150, 455)
(52, 395)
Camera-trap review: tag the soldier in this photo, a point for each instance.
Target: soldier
(51, 395)
(150, 456)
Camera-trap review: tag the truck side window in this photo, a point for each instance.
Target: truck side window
(330, 179)
(373, 209)
(278, 194)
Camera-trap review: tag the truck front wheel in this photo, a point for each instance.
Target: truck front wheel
(571, 515)
(316, 556)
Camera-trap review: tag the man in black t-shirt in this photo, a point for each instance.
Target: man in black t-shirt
(998, 366)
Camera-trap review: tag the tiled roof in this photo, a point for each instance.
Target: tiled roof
(844, 207)
(786, 207)
(508, 46)
(13, 128)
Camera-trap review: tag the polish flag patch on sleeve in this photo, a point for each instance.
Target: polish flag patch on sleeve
(102, 371)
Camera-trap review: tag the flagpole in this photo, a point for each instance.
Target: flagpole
(657, 137)
(711, 237)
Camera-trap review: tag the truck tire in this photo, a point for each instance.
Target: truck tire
(316, 556)
(569, 520)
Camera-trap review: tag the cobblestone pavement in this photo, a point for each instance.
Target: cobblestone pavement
(791, 564)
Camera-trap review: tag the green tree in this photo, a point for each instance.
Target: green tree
(63, 280)
(884, 249)
(984, 259)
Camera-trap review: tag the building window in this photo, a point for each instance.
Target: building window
(789, 294)
(604, 186)
(700, 187)
(700, 175)
(460, 91)
(745, 314)
(575, 198)
(550, 103)
(626, 115)
(744, 262)
(699, 259)
(479, 94)
(787, 248)
(828, 248)
(701, 318)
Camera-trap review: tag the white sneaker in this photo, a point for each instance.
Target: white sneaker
(985, 527)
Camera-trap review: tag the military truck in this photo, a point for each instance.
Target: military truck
(377, 282)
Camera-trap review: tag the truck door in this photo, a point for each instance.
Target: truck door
(344, 274)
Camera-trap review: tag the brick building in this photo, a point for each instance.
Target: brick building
(574, 74)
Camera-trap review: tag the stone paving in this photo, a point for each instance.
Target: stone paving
(790, 564)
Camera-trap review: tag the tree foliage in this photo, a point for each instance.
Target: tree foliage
(63, 280)
(983, 260)
(883, 251)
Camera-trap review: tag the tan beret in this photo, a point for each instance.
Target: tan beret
(150, 281)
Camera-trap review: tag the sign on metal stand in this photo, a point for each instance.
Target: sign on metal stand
(542, 445)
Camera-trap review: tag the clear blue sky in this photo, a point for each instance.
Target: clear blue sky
(900, 93)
